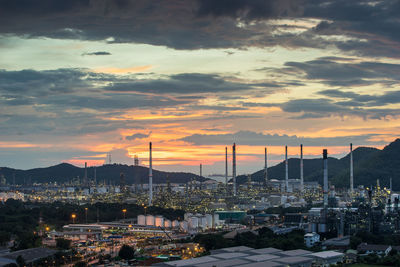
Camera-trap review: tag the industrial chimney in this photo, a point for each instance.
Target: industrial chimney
(85, 178)
(265, 167)
(286, 172)
(226, 166)
(201, 175)
(234, 168)
(325, 158)
(351, 169)
(301, 169)
(150, 176)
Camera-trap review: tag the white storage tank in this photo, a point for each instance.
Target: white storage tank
(159, 221)
(187, 216)
(184, 226)
(150, 220)
(203, 222)
(209, 219)
(175, 224)
(216, 219)
(167, 224)
(193, 222)
(322, 228)
(141, 219)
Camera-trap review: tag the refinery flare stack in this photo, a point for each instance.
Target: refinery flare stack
(325, 158)
(286, 171)
(265, 167)
(301, 169)
(150, 175)
(351, 170)
(234, 168)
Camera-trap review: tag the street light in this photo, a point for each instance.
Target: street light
(124, 212)
(73, 216)
(86, 209)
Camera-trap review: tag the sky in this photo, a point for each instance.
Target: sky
(80, 79)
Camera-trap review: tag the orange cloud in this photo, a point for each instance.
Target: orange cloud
(124, 70)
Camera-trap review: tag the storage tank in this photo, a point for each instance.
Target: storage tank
(215, 220)
(141, 219)
(312, 228)
(184, 226)
(175, 224)
(203, 222)
(209, 219)
(150, 220)
(193, 222)
(167, 224)
(159, 221)
(187, 216)
(322, 228)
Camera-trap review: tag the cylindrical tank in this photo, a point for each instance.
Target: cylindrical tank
(322, 228)
(141, 219)
(193, 222)
(187, 216)
(209, 219)
(203, 222)
(167, 224)
(312, 228)
(184, 226)
(175, 224)
(159, 221)
(215, 219)
(150, 220)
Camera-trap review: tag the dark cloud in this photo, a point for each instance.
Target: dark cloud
(189, 83)
(99, 53)
(354, 99)
(371, 27)
(137, 136)
(259, 139)
(323, 107)
(249, 10)
(335, 73)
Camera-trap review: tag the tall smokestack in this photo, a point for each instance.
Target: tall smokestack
(201, 175)
(150, 176)
(226, 166)
(85, 178)
(286, 171)
(325, 157)
(301, 169)
(351, 169)
(95, 176)
(234, 168)
(265, 167)
(391, 185)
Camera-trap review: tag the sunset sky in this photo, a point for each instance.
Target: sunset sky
(80, 79)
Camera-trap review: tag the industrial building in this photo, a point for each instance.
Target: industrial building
(246, 256)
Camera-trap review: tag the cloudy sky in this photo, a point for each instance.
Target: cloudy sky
(81, 78)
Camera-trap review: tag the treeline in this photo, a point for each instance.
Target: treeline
(20, 220)
(263, 238)
(367, 237)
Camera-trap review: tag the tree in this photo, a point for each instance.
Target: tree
(126, 252)
(62, 243)
(20, 261)
(80, 264)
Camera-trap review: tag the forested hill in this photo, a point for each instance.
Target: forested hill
(65, 172)
(370, 164)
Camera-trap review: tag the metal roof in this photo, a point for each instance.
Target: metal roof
(266, 250)
(326, 254)
(230, 255)
(262, 257)
(223, 263)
